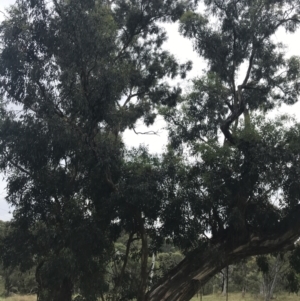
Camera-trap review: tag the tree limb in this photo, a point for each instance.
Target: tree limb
(183, 282)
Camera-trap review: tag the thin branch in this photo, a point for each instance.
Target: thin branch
(241, 105)
(16, 165)
(249, 66)
(183, 128)
(3, 13)
(229, 105)
(234, 62)
(110, 181)
(129, 241)
(145, 133)
(58, 8)
(130, 96)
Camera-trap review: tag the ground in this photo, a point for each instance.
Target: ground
(248, 297)
(219, 297)
(20, 298)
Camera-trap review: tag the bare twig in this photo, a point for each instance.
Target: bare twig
(145, 133)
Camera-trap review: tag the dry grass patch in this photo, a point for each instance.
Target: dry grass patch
(248, 297)
(20, 298)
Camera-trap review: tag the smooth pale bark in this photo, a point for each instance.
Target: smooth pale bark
(183, 282)
(270, 279)
(225, 280)
(144, 262)
(152, 268)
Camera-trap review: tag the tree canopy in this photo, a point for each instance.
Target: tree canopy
(76, 74)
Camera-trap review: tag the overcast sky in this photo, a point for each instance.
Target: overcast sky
(183, 50)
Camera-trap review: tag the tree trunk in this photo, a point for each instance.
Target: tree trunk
(266, 285)
(270, 279)
(243, 292)
(183, 282)
(152, 268)
(144, 261)
(65, 291)
(62, 293)
(7, 280)
(224, 284)
(274, 283)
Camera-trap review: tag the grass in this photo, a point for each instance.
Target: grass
(248, 297)
(216, 297)
(20, 298)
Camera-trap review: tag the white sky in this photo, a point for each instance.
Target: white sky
(182, 49)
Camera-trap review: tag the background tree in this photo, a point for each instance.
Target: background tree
(292, 276)
(272, 268)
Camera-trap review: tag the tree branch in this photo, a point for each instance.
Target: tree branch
(145, 133)
(129, 241)
(20, 168)
(183, 282)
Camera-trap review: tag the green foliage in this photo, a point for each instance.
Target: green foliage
(81, 73)
(236, 179)
(167, 261)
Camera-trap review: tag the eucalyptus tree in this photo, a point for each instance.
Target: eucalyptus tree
(243, 195)
(74, 76)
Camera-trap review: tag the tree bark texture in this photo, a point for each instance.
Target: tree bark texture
(183, 282)
(66, 290)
